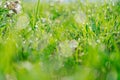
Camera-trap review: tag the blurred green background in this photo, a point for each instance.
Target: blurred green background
(53, 41)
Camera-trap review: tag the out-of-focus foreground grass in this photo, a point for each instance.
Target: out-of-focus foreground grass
(54, 41)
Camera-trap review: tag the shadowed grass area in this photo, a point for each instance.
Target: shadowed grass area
(54, 41)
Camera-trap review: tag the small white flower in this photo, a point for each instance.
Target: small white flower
(78, 39)
(0, 3)
(18, 8)
(80, 17)
(98, 41)
(27, 65)
(15, 6)
(22, 22)
(11, 12)
(43, 20)
(67, 48)
(73, 44)
(6, 4)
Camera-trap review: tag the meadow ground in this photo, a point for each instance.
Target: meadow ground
(61, 41)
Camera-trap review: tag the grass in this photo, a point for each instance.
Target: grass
(38, 44)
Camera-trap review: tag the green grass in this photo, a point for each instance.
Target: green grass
(34, 45)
